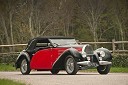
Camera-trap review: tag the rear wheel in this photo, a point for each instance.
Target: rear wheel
(71, 66)
(55, 71)
(25, 67)
(103, 69)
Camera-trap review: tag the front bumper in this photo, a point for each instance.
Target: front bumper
(88, 63)
(105, 63)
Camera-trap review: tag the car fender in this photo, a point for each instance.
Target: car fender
(107, 57)
(22, 55)
(77, 55)
(59, 63)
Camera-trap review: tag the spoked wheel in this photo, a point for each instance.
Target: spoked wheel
(71, 66)
(55, 71)
(25, 67)
(103, 69)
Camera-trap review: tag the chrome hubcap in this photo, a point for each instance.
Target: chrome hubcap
(70, 65)
(24, 66)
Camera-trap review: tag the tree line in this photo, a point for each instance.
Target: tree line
(86, 20)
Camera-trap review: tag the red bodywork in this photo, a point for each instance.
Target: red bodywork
(46, 58)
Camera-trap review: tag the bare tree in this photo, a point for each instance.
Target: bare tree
(119, 18)
(91, 14)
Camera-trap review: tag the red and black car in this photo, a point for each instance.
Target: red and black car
(62, 53)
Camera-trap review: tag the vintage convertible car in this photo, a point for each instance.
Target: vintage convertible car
(62, 53)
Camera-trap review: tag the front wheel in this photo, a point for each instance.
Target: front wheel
(71, 66)
(25, 67)
(103, 69)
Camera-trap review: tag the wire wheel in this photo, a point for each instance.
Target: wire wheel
(71, 66)
(25, 68)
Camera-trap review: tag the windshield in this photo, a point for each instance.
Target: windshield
(63, 41)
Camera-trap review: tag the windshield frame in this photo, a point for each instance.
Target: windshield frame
(62, 42)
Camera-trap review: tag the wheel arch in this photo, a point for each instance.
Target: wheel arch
(59, 64)
(21, 56)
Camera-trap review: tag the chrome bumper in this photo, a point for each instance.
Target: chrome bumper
(84, 63)
(88, 63)
(105, 62)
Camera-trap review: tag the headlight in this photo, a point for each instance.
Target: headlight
(102, 53)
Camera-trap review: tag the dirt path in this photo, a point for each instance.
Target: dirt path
(46, 78)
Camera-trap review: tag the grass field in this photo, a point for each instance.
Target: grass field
(4, 67)
(119, 70)
(9, 82)
(112, 70)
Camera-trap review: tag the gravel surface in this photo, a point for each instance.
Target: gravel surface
(46, 78)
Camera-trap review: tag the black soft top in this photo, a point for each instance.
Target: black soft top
(46, 38)
(32, 42)
(53, 37)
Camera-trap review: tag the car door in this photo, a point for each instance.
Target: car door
(42, 59)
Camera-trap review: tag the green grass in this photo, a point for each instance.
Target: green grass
(112, 70)
(9, 82)
(6, 67)
(119, 70)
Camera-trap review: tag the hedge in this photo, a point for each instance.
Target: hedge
(7, 59)
(119, 60)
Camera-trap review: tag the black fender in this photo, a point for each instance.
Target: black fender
(108, 55)
(59, 63)
(22, 55)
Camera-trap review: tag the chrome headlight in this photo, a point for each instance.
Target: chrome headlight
(102, 53)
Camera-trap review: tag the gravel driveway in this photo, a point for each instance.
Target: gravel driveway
(46, 78)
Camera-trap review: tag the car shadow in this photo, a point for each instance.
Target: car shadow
(62, 74)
